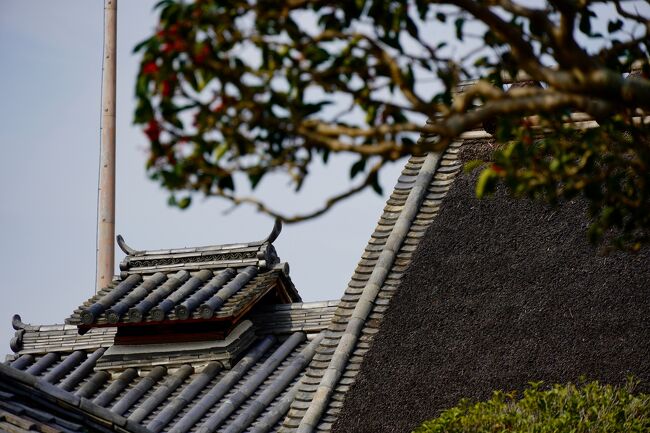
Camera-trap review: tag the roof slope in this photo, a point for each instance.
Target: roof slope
(183, 391)
(29, 404)
(200, 340)
(501, 292)
(410, 209)
(222, 295)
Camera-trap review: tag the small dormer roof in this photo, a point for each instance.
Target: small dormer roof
(218, 283)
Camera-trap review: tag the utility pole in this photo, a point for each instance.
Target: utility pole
(106, 190)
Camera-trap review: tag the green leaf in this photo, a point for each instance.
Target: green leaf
(585, 24)
(357, 167)
(226, 182)
(614, 26)
(536, 28)
(458, 24)
(143, 44)
(220, 151)
(184, 203)
(374, 183)
(473, 165)
(255, 178)
(485, 183)
(412, 28)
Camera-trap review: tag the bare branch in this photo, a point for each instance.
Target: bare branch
(541, 103)
(290, 219)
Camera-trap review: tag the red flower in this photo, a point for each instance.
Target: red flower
(178, 45)
(149, 68)
(166, 88)
(152, 130)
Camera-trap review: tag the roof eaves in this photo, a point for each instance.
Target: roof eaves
(38, 388)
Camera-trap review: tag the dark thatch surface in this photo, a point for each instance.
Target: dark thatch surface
(501, 292)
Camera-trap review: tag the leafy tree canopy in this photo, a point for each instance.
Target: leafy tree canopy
(251, 87)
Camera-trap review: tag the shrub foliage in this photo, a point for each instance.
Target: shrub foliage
(587, 408)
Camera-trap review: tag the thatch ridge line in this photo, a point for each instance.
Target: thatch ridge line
(364, 306)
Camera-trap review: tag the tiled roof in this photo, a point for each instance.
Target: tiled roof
(32, 404)
(34, 339)
(204, 395)
(411, 208)
(180, 390)
(234, 369)
(272, 319)
(260, 254)
(219, 282)
(304, 357)
(182, 296)
(283, 318)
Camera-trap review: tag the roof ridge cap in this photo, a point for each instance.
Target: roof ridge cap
(363, 307)
(129, 251)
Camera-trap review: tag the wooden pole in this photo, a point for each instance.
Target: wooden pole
(106, 190)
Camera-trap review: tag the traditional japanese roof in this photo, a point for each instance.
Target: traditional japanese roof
(334, 355)
(29, 404)
(232, 370)
(343, 391)
(501, 292)
(260, 254)
(408, 213)
(357, 364)
(214, 283)
(181, 387)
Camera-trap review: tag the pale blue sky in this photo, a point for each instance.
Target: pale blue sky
(50, 56)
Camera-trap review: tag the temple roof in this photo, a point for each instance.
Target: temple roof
(181, 386)
(30, 404)
(195, 339)
(334, 336)
(181, 296)
(214, 283)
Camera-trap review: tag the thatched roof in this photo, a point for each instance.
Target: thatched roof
(499, 293)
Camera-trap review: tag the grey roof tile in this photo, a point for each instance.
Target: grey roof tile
(158, 297)
(323, 396)
(258, 390)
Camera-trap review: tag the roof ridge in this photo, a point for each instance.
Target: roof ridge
(129, 251)
(219, 256)
(365, 303)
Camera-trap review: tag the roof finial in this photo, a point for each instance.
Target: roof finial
(17, 323)
(124, 247)
(277, 228)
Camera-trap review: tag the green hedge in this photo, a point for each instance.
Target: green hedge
(588, 408)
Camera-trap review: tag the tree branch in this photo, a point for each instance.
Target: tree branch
(291, 219)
